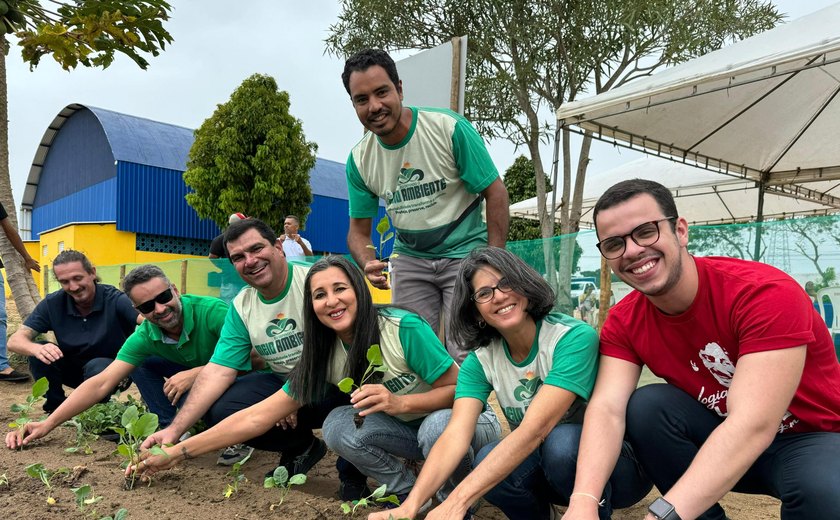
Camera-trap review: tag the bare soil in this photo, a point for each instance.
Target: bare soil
(194, 490)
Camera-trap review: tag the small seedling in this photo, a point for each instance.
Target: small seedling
(85, 497)
(346, 385)
(236, 477)
(135, 428)
(280, 479)
(378, 495)
(4, 480)
(83, 438)
(122, 514)
(383, 227)
(24, 410)
(45, 475)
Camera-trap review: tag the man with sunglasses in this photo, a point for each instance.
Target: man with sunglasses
(752, 399)
(90, 321)
(163, 356)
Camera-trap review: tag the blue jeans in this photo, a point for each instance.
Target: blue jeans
(667, 427)
(379, 445)
(547, 476)
(65, 371)
(4, 358)
(149, 378)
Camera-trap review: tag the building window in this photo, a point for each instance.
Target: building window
(60, 247)
(44, 250)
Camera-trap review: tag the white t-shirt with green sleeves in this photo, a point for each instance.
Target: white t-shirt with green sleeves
(412, 353)
(431, 184)
(273, 327)
(564, 354)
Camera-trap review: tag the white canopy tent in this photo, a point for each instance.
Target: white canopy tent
(702, 197)
(763, 110)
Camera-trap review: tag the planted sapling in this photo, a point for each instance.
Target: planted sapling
(83, 438)
(25, 410)
(121, 514)
(280, 480)
(45, 475)
(236, 477)
(346, 385)
(135, 428)
(85, 497)
(378, 495)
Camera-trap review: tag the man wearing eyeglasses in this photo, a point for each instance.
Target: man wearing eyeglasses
(752, 399)
(163, 356)
(90, 321)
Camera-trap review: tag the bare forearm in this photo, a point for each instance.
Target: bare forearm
(210, 384)
(21, 342)
(600, 447)
(444, 457)
(14, 238)
(426, 402)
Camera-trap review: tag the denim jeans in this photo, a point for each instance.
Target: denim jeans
(149, 378)
(65, 371)
(667, 427)
(4, 358)
(547, 476)
(379, 445)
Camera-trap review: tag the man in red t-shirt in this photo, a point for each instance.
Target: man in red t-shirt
(752, 395)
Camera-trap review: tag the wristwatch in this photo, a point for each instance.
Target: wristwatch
(661, 509)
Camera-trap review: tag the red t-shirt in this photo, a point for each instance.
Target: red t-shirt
(741, 307)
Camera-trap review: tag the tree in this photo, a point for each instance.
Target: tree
(520, 183)
(251, 156)
(86, 32)
(527, 58)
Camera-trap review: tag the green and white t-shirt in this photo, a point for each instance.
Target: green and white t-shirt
(564, 354)
(273, 327)
(412, 353)
(431, 183)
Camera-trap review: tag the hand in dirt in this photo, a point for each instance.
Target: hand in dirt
(581, 507)
(376, 398)
(151, 464)
(290, 421)
(31, 431)
(446, 511)
(178, 384)
(373, 272)
(48, 353)
(388, 514)
(162, 437)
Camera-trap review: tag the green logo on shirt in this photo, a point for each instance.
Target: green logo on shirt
(528, 388)
(409, 174)
(280, 325)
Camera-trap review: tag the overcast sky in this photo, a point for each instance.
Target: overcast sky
(217, 45)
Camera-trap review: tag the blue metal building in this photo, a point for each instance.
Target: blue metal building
(96, 165)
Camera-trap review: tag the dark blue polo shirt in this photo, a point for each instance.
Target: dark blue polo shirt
(99, 334)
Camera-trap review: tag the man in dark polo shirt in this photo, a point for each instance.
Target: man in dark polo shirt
(90, 321)
(7, 373)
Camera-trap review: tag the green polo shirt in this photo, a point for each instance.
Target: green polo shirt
(203, 320)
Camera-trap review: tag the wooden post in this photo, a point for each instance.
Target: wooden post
(46, 285)
(183, 287)
(122, 274)
(606, 289)
(455, 84)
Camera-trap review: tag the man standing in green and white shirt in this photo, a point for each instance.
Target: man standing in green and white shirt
(433, 171)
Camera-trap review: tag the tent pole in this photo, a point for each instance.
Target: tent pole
(762, 185)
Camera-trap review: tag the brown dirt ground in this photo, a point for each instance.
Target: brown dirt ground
(195, 490)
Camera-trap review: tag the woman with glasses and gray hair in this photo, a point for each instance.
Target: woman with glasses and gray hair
(542, 366)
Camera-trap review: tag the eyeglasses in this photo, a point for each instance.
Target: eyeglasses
(485, 294)
(162, 298)
(643, 235)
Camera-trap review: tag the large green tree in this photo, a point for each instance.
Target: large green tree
(251, 156)
(521, 185)
(80, 32)
(527, 58)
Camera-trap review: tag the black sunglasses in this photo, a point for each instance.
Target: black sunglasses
(162, 298)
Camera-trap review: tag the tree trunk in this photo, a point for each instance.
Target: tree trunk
(24, 290)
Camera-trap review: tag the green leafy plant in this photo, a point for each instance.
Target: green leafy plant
(378, 495)
(280, 480)
(121, 514)
(45, 475)
(82, 440)
(346, 385)
(236, 477)
(4, 480)
(102, 417)
(24, 410)
(135, 428)
(386, 234)
(85, 497)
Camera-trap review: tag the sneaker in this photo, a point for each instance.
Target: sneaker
(233, 454)
(301, 463)
(14, 377)
(349, 490)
